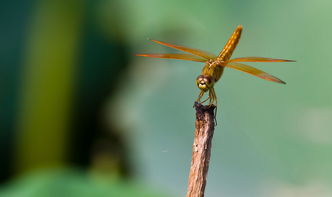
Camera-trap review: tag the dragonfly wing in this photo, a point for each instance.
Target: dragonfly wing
(197, 52)
(254, 71)
(258, 59)
(175, 56)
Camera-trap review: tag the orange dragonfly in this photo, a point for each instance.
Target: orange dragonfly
(215, 65)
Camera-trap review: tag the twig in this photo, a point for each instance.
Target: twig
(201, 151)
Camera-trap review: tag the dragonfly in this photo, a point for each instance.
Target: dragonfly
(215, 65)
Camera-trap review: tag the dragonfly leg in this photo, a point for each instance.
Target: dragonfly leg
(214, 102)
(215, 97)
(212, 97)
(205, 100)
(200, 96)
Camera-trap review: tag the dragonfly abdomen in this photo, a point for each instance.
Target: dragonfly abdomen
(230, 46)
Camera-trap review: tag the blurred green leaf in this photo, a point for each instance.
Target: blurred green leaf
(71, 183)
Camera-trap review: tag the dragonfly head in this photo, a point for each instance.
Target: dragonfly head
(204, 82)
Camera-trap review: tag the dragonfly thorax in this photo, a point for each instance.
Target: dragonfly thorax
(204, 82)
(215, 62)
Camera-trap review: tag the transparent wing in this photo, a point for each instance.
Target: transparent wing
(197, 52)
(254, 71)
(175, 56)
(258, 59)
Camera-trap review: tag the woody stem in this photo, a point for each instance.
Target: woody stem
(201, 149)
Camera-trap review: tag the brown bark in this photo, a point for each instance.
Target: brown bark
(201, 151)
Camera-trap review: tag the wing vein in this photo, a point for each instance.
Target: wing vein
(254, 71)
(175, 56)
(197, 52)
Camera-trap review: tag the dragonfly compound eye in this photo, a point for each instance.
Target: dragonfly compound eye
(204, 82)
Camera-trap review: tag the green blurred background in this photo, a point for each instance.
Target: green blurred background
(82, 116)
